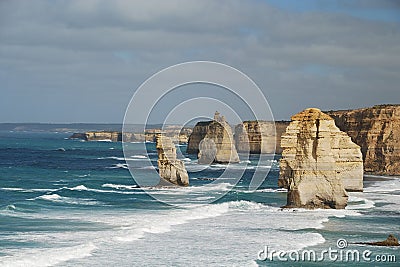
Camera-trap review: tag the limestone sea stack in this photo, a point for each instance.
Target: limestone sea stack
(170, 169)
(259, 137)
(318, 162)
(213, 141)
(377, 131)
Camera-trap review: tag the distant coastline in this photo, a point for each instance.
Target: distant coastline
(70, 127)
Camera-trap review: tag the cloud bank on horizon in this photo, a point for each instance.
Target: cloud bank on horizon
(81, 61)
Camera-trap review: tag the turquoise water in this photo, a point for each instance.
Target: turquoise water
(79, 206)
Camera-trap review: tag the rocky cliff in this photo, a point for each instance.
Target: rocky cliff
(100, 136)
(176, 133)
(213, 141)
(280, 127)
(113, 136)
(377, 131)
(198, 134)
(318, 162)
(134, 137)
(82, 136)
(170, 169)
(259, 137)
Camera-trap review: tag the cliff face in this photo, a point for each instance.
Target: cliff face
(134, 137)
(259, 137)
(198, 134)
(97, 136)
(176, 134)
(377, 131)
(213, 141)
(170, 169)
(318, 162)
(280, 127)
(82, 136)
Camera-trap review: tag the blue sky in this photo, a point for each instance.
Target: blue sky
(386, 11)
(81, 61)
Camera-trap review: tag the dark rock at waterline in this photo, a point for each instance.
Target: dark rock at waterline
(391, 241)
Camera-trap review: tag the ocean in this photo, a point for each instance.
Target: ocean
(73, 203)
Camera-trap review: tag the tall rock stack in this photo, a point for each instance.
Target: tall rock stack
(213, 141)
(219, 141)
(377, 131)
(318, 162)
(170, 169)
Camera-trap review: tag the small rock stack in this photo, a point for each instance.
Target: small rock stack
(171, 170)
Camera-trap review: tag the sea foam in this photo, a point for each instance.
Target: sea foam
(47, 257)
(120, 186)
(67, 200)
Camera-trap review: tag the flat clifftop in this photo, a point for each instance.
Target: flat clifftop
(358, 109)
(311, 114)
(377, 131)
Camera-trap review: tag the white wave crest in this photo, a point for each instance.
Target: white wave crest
(49, 197)
(84, 188)
(47, 257)
(79, 188)
(13, 189)
(139, 157)
(11, 207)
(163, 222)
(26, 190)
(267, 190)
(148, 168)
(355, 203)
(120, 186)
(247, 205)
(119, 166)
(114, 158)
(67, 200)
(384, 186)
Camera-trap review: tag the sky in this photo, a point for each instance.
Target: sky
(82, 61)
